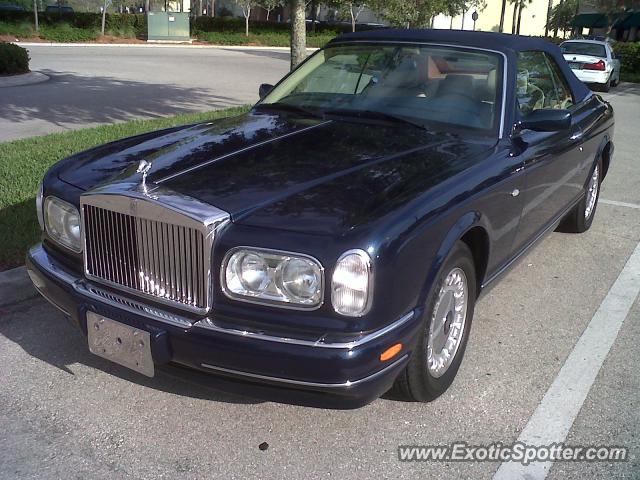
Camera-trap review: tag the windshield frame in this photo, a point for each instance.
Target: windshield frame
(501, 96)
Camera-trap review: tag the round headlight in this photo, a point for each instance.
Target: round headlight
(254, 274)
(273, 277)
(62, 222)
(301, 278)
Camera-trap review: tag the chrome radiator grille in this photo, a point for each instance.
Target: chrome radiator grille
(164, 260)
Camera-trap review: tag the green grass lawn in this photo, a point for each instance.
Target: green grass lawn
(23, 163)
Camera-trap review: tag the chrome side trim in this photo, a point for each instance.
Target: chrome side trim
(468, 47)
(302, 383)
(208, 324)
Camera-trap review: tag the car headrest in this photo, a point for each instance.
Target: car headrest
(491, 80)
(406, 74)
(454, 83)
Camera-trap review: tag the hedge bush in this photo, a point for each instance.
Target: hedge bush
(131, 25)
(13, 59)
(629, 54)
(135, 25)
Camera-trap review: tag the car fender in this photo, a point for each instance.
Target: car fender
(465, 222)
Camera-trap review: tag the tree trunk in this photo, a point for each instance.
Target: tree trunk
(212, 12)
(246, 22)
(268, 12)
(298, 33)
(104, 15)
(353, 19)
(146, 6)
(546, 25)
(35, 15)
(515, 16)
(504, 6)
(519, 16)
(314, 15)
(555, 25)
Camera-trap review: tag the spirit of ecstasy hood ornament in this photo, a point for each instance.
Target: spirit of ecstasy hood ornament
(143, 168)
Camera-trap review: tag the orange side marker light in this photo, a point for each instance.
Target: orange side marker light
(391, 352)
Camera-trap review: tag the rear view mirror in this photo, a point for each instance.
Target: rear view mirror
(264, 90)
(547, 120)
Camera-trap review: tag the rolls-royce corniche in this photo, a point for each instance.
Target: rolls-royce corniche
(330, 244)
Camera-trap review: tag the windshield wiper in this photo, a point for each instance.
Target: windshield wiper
(287, 107)
(373, 115)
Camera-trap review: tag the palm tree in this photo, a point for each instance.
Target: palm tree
(504, 6)
(546, 25)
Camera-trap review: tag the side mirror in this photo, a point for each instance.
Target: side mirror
(546, 120)
(264, 90)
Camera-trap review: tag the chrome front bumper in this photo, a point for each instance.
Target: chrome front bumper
(352, 369)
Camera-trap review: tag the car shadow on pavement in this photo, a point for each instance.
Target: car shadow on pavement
(54, 340)
(625, 88)
(69, 99)
(264, 53)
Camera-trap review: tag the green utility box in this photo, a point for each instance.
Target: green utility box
(168, 26)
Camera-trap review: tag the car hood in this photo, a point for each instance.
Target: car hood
(281, 171)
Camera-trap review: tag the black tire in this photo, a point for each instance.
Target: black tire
(606, 86)
(576, 220)
(416, 383)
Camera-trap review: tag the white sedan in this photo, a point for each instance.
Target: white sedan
(593, 62)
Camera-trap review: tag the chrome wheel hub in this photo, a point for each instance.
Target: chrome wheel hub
(592, 193)
(447, 322)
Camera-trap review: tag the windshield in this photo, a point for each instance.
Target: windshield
(418, 84)
(584, 48)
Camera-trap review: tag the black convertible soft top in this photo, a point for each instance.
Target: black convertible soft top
(510, 45)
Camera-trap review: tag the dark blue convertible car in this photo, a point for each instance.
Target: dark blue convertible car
(331, 243)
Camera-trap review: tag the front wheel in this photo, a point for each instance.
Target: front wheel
(445, 330)
(579, 220)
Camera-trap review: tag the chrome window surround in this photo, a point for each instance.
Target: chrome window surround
(161, 205)
(456, 46)
(269, 303)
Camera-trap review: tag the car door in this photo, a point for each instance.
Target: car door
(551, 160)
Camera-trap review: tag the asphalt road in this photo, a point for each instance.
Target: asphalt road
(96, 85)
(65, 413)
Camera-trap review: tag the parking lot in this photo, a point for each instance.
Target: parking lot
(85, 89)
(65, 413)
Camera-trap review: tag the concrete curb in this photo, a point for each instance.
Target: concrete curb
(155, 45)
(15, 286)
(30, 78)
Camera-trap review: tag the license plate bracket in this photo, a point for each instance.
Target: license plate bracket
(120, 343)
